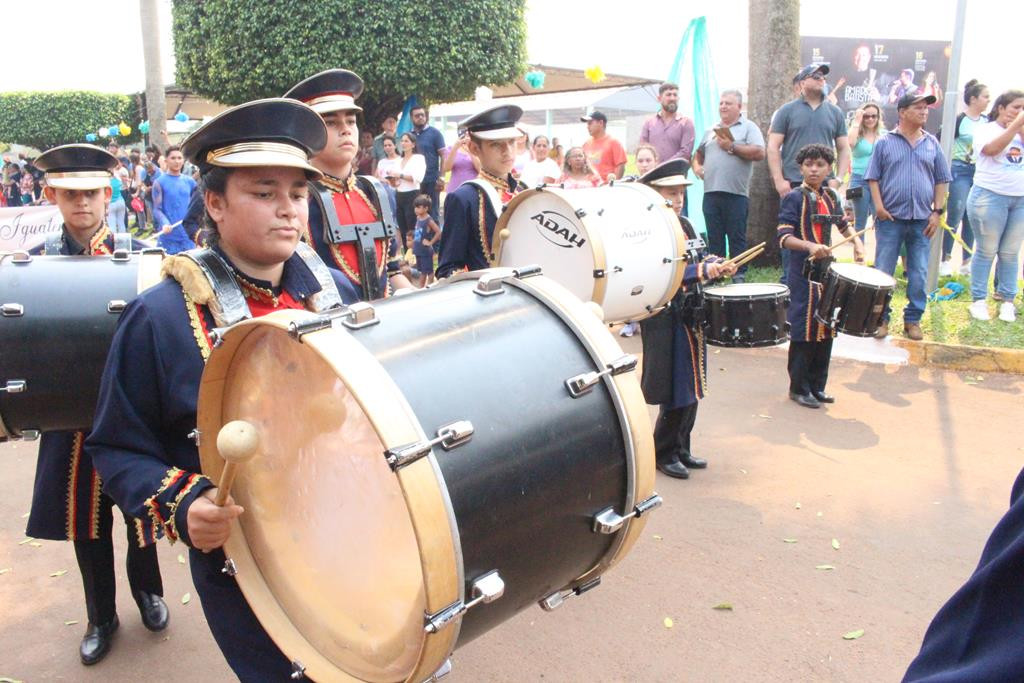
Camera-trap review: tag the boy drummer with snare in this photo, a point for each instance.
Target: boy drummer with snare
(675, 367)
(255, 164)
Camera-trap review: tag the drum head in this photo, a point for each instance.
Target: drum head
(745, 289)
(325, 520)
(859, 273)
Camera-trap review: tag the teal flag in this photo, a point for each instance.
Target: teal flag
(405, 120)
(694, 72)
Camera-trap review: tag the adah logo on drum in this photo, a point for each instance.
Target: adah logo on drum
(550, 227)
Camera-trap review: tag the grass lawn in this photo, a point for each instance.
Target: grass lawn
(944, 321)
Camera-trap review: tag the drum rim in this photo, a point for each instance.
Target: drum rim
(835, 268)
(630, 408)
(421, 482)
(782, 290)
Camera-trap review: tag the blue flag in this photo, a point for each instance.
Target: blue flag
(405, 120)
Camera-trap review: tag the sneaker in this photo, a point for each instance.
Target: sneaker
(627, 330)
(945, 269)
(1006, 312)
(965, 268)
(883, 331)
(979, 310)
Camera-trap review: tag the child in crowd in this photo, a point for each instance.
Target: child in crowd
(408, 261)
(425, 236)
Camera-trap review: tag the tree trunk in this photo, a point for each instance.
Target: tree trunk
(156, 107)
(774, 60)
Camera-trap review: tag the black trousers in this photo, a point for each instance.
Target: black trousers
(808, 366)
(96, 563)
(406, 214)
(672, 433)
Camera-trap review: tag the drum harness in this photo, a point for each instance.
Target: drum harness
(815, 269)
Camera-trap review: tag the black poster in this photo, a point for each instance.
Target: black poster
(881, 71)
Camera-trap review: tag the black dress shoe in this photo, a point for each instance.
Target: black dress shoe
(806, 400)
(823, 397)
(674, 469)
(693, 463)
(96, 642)
(153, 610)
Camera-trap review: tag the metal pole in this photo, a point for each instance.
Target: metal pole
(948, 127)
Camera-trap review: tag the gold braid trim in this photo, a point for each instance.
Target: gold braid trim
(97, 246)
(139, 532)
(153, 506)
(172, 507)
(701, 362)
(485, 243)
(197, 327)
(70, 499)
(94, 506)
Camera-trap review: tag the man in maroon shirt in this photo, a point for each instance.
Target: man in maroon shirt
(671, 133)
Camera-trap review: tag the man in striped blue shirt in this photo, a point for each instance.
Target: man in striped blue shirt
(908, 175)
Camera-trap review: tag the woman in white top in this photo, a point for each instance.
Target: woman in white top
(390, 167)
(996, 204)
(541, 168)
(406, 180)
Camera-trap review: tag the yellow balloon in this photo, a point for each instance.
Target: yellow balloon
(124, 128)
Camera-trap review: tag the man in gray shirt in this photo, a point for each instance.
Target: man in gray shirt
(725, 161)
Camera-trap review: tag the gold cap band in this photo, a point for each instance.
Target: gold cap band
(272, 147)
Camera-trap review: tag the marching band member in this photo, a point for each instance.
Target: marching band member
(351, 224)
(67, 503)
(471, 211)
(675, 363)
(810, 346)
(255, 164)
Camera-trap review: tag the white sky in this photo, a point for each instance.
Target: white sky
(96, 44)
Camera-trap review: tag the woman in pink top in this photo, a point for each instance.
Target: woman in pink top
(463, 165)
(577, 172)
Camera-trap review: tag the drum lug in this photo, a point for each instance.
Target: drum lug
(116, 305)
(121, 255)
(16, 256)
(229, 568)
(583, 383)
(449, 436)
(599, 273)
(30, 434)
(14, 386)
(526, 271)
(608, 521)
(555, 600)
(485, 589)
(12, 310)
(441, 672)
(359, 315)
(490, 285)
(298, 671)
(580, 213)
(195, 435)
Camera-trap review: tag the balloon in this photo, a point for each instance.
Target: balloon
(124, 129)
(144, 127)
(594, 74)
(535, 79)
(102, 132)
(181, 117)
(112, 131)
(90, 137)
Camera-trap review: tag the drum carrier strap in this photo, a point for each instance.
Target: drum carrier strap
(54, 243)
(815, 270)
(122, 242)
(225, 287)
(328, 296)
(363, 235)
(492, 195)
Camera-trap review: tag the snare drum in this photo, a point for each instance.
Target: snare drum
(428, 467)
(57, 318)
(854, 299)
(618, 245)
(746, 314)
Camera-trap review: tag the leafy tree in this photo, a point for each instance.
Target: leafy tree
(47, 119)
(238, 50)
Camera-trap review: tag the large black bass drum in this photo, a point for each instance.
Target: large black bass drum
(57, 318)
(427, 467)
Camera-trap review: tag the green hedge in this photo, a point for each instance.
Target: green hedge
(47, 119)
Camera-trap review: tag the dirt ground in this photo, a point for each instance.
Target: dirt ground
(908, 472)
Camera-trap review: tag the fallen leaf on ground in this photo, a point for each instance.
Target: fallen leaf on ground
(181, 559)
(825, 567)
(5, 679)
(4, 571)
(717, 351)
(185, 598)
(743, 470)
(657, 537)
(71, 622)
(59, 572)
(835, 543)
(722, 369)
(668, 622)
(24, 541)
(789, 540)
(798, 506)
(820, 514)
(853, 635)
(723, 606)
(36, 544)
(766, 417)
(25, 516)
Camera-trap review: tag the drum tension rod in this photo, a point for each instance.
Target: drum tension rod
(298, 671)
(354, 316)
(555, 600)
(449, 436)
(485, 589)
(14, 386)
(583, 383)
(441, 672)
(608, 521)
(12, 310)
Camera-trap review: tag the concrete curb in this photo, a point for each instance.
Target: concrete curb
(955, 357)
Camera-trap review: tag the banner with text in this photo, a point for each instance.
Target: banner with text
(23, 227)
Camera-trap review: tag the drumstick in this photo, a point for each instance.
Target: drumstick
(747, 259)
(237, 442)
(756, 248)
(847, 239)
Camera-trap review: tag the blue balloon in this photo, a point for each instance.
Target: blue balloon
(113, 131)
(90, 137)
(181, 117)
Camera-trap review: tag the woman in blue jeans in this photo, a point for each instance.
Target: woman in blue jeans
(976, 98)
(865, 130)
(996, 205)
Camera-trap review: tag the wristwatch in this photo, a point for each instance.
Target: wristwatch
(938, 211)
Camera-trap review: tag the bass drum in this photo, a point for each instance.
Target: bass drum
(618, 245)
(428, 467)
(57, 318)
(746, 314)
